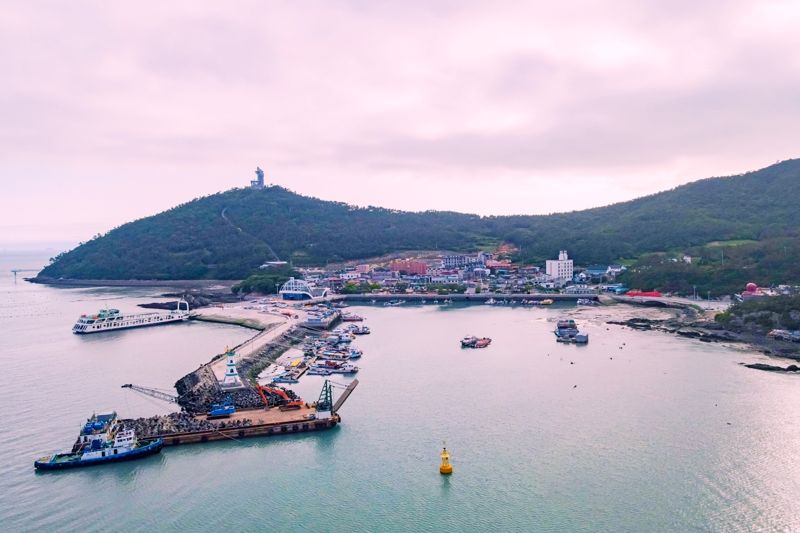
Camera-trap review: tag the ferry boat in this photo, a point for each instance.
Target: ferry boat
(111, 319)
(101, 440)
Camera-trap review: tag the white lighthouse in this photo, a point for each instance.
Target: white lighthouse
(231, 379)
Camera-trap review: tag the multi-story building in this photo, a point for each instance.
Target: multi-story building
(559, 270)
(409, 266)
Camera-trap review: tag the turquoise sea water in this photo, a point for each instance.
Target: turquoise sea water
(637, 431)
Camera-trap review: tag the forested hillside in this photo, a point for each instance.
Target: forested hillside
(227, 235)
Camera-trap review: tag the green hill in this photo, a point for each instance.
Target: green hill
(227, 235)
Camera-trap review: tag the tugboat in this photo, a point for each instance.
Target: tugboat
(475, 342)
(101, 440)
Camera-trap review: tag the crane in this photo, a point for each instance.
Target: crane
(155, 393)
(348, 390)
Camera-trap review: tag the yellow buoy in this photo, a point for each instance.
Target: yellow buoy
(445, 468)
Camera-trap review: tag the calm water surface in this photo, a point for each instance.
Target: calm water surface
(636, 432)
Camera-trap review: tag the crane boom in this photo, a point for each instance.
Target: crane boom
(155, 393)
(345, 393)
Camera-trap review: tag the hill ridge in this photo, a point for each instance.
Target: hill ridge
(194, 241)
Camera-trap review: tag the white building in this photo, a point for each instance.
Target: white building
(559, 269)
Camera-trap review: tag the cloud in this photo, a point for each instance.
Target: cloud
(126, 109)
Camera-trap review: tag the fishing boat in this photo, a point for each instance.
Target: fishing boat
(286, 378)
(347, 368)
(566, 328)
(475, 342)
(363, 330)
(101, 440)
(318, 371)
(567, 331)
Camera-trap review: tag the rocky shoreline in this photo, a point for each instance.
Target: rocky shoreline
(687, 325)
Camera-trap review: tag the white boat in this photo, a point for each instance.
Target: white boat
(110, 319)
(346, 368)
(317, 371)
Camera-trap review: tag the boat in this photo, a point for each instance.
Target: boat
(394, 303)
(319, 371)
(475, 342)
(567, 331)
(363, 330)
(347, 368)
(101, 440)
(566, 328)
(490, 301)
(350, 317)
(546, 301)
(286, 378)
(111, 319)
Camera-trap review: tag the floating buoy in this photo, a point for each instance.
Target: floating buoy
(445, 468)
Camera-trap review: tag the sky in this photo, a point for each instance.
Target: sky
(111, 111)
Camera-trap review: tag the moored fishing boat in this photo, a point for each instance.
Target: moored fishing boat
(475, 342)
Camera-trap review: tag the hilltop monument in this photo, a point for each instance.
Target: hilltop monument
(258, 183)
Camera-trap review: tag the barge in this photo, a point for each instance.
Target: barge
(261, 422)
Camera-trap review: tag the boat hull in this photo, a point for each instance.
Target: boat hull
(151, 448)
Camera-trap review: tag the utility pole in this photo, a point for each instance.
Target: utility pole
(694, 292)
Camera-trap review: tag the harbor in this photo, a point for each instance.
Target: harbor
(412, 364)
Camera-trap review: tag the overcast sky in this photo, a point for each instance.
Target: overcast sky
(111, 111)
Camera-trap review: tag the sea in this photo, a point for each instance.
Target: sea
(637, 431)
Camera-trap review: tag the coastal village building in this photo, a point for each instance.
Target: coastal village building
(559, 270)
(579, 289)
(450, 262)
(409, 266)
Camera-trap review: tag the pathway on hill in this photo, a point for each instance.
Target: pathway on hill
(240, 230)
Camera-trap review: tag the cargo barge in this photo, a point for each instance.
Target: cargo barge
(261, 422)
(296, 423)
